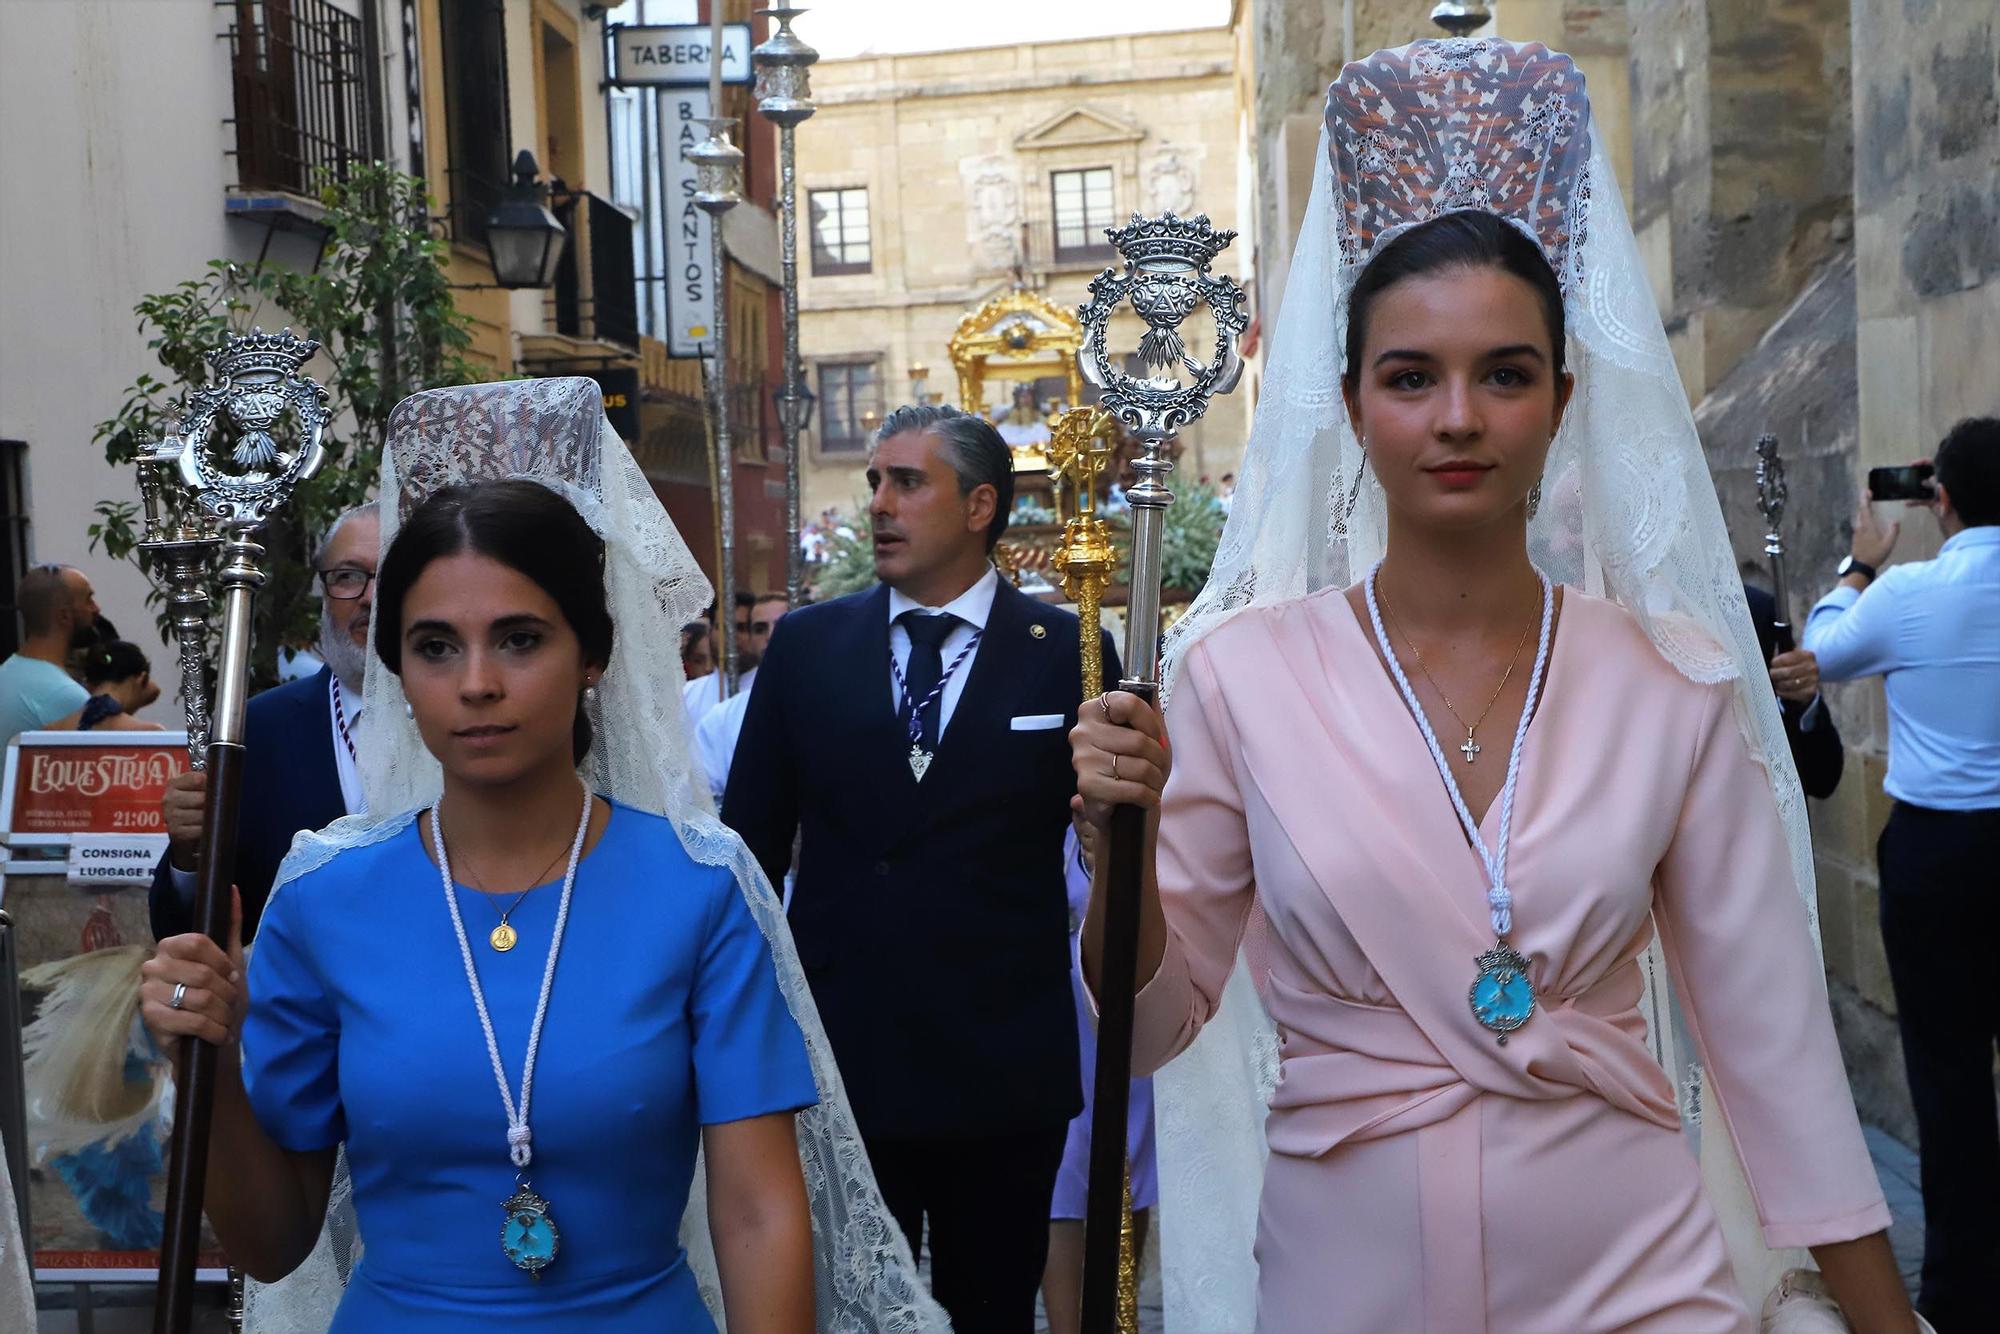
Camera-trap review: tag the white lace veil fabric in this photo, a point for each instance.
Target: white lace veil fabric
(553, 431)
(1628, 512)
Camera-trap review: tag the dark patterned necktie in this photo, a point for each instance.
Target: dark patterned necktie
(927, 635)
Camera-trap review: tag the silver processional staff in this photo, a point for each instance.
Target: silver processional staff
(1166, 278)
(229, 467)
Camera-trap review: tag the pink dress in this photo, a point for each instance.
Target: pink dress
(1422, 1177)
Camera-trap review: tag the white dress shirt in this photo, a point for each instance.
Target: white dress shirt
(344, 765)
(1931, 630)
(705, 692)
(972, 607)
(715, 740)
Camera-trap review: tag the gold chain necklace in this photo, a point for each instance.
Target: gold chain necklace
(1469, 748)
(504, 937)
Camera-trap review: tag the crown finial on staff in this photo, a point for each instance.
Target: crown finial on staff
(236, 461)
(1166, 278)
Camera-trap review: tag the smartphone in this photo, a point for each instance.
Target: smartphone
(1911, 481)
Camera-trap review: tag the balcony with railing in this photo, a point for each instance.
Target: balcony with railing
(302, 101)
(595, 294)
(592, 312)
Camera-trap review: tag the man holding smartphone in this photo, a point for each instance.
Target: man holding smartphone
(1931, 630)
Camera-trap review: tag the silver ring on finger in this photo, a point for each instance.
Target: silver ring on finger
(1104, 703)
(1114, 769)
(179, 997)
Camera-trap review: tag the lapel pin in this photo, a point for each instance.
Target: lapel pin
(1038, 630)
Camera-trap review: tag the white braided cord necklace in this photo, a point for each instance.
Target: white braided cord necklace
(528, 1235)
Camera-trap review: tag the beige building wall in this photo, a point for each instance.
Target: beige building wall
(955, 150)
(113, 147)
(115, 137)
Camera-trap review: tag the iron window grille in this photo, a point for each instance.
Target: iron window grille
(302, 88)
(839, 230)
(1081, 202)
(602, 301)
(474, 40)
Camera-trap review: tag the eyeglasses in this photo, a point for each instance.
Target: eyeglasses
(345, 583)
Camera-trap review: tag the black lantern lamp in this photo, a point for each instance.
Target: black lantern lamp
(805, 400)
(525, 238)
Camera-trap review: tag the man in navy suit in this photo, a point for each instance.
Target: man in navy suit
(299, 769)
(914, 738)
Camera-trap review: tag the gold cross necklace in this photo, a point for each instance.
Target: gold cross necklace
(1469, 748)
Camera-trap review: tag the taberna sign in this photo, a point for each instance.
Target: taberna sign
(677, 56)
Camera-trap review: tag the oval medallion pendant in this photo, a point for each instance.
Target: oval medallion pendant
(502, 938)
(529, 1237)
(1502, 997)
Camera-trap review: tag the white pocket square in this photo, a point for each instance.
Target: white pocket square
(1037, 722)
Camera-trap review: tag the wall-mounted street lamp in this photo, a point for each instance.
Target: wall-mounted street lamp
(525, 238)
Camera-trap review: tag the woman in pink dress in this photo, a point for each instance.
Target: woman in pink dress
(1451, 801)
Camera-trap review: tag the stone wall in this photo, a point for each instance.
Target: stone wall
(955, 149)
(1926, 193)
(1742, 150)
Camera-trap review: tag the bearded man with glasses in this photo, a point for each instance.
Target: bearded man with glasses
(300, 770)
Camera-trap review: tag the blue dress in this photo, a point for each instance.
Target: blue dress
(665, 1016)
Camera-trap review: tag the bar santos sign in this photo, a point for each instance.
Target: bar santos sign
(677, 56)
(689, 254)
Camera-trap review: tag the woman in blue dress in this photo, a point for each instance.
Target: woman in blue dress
(524, 1005)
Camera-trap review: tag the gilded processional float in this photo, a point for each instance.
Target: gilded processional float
(1015, 359)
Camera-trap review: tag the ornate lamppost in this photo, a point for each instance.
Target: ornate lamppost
(784, 97)
(718, 166)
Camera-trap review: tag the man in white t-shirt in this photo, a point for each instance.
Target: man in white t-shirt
(715, 735)
(752, 634)
(58, 614)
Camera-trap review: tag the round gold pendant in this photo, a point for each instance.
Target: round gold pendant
(502, 938)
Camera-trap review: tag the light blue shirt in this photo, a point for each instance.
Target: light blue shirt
(1931, 630)
(34, 694)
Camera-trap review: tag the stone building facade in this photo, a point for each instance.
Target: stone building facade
(1813, 184)
(929, 183)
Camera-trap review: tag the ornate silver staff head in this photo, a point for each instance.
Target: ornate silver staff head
(1771, 497)
(1771, 492)
(241, 446)
(237, 460)
(1166, 277)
